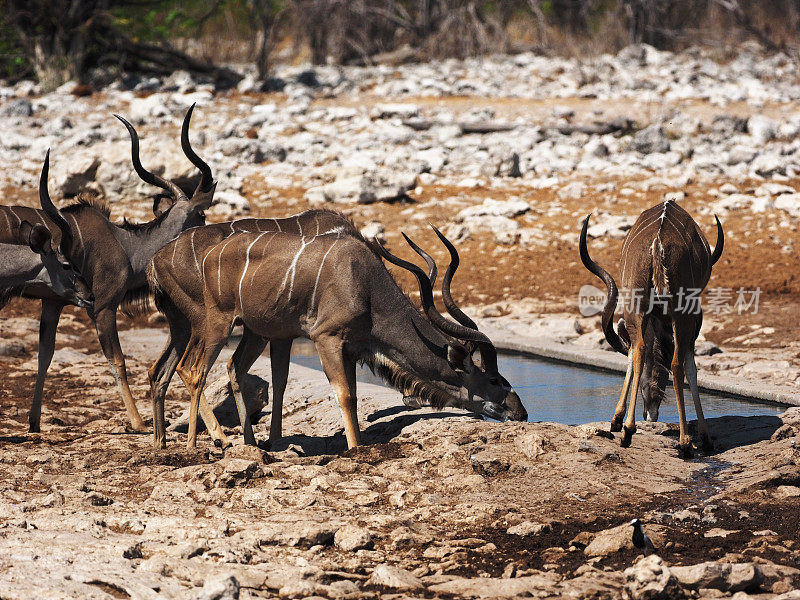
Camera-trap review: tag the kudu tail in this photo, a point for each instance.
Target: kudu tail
(658, 274)
(720, 243)
(611, 300)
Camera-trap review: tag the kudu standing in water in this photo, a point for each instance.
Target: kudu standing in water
(666, 262)
(28, 260)
(113, 259)
(334, 289)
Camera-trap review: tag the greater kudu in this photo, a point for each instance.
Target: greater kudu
(46, 268)
(665, 263)
(180, 297)
(333, 289)
(113, 259)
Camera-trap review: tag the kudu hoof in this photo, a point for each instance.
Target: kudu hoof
(686, 451)
(627, 436)
(615, 427)
(223, 444)
(708, 445)
(34, 428)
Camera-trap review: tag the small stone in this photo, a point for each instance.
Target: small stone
(350, 538)
(224, 587)
(374, 230)
(728, 577)
(762, 129)
(18, 108)
(528, 528)
(674, 197)
(98, 499)
(396, 578)
(488, 464)
(133, 552)
(652, 579)
(650, 140)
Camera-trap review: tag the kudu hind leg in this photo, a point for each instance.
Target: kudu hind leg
(630, 423)
(622, 405)
(160, 375)
(51, 312)
(677, 383)
(106, 326)
(691, 375)
(279, 353)
(204, 354)
(247, 352)
(341, 372)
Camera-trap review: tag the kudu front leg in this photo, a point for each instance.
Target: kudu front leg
(51, 312)
(341, 372)
(678, 374)
(106, 326)
(630, 423)
(622, 405)
(691, 375)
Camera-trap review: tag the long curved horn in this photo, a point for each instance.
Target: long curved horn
(488, 351)
(449, 303)
(53, 212)
(207, 177)
(145, 175)
(433, 270)
(720, 243)
(611, 300)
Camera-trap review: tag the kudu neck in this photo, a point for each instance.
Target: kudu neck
(408, 339)
(141, 244)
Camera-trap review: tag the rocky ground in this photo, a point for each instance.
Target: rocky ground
(434, 505)
(507, 155)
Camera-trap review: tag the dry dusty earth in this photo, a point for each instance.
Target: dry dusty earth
(432, 506)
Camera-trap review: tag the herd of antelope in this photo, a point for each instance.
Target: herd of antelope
(313, 275)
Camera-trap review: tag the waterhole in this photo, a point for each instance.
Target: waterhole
(561, 393)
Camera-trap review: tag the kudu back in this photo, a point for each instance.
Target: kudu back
(665, 263)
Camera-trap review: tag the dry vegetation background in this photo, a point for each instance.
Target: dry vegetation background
(98, 40)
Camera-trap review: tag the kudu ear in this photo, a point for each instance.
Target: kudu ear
(38, 237)
(204, 199)
(458, 357)
(162, 203)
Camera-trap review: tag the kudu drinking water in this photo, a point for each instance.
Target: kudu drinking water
(334, 289)
(113, 259)
(28, 259)
(665, 263)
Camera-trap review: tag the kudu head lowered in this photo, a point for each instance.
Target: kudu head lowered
(61, 275)
(490, 392)
(175, 200)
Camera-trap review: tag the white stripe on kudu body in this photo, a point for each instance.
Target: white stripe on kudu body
(319, 272)
(263, 255)
(194, 253)
(244, 271)
(219, 266)
(293, 268)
